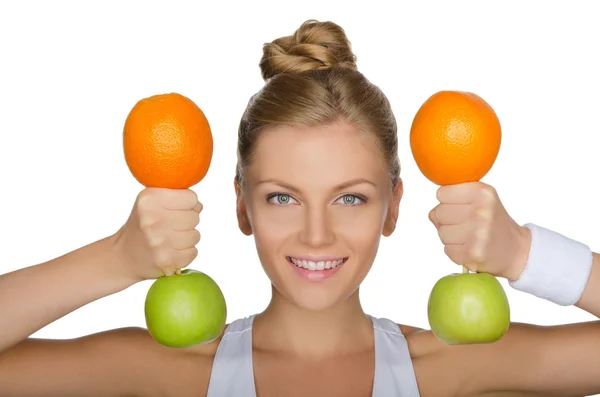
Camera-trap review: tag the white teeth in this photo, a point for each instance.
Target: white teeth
(320, 265)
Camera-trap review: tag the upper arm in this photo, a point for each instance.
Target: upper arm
(123, 362)
(554, 360)
(538, 360)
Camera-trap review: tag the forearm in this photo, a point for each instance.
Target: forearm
(590, 299)
(34, 297)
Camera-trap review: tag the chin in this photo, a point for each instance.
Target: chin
(314, 299)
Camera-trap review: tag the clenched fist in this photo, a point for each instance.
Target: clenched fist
(477, 232)
(160, 236)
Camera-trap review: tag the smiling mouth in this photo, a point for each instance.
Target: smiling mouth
(317, 265)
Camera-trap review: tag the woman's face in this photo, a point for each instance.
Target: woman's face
(317, 200)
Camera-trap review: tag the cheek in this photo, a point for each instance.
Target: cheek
(272, 226)
(361, 228)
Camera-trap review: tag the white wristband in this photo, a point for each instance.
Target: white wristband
(557, 269)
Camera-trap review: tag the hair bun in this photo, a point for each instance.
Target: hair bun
(315, 45)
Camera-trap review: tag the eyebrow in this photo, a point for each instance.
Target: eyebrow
(341, 186)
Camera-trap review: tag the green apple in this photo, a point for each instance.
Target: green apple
(468, 308)
(185, 309)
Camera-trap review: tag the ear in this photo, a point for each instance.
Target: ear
(394, 207)
(242, 214)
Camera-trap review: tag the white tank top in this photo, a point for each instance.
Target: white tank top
(233, 375)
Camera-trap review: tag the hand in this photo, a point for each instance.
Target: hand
(478, 233)
(160, 236)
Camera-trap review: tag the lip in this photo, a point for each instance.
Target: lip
(316, 275)
(318, 258)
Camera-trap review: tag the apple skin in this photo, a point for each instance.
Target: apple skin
(185, 309)
(468, 308)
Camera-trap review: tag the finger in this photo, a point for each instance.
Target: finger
(155, 235)
(433, 218)
(184, 220)
(177, 199)
(456, 253)
(185, 257)
(463, 193)
(455, 234)
(453, 214)
(184, 240)
(480, 242)
(179, 259)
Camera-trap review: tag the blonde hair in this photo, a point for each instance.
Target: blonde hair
(311, 79)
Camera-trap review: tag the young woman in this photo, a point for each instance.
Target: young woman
(317, 211)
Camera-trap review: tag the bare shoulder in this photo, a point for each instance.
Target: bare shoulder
(421, 342)
(124, 361)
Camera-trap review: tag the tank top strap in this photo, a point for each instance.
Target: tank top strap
(394, 372)
(232, 372)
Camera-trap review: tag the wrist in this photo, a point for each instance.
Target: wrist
(115, 261)
(558, 267)
(522, 243)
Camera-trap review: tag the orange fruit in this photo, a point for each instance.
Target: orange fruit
(455, 137)
(167, 142)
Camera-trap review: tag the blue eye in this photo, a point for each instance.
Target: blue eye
(351, 199)
(280, 199)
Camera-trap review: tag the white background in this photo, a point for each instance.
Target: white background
(70, 73)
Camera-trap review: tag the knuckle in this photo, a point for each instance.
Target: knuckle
(488, 194)
(164, 259)
(192, 194)
(189, 197)
(146, 220)
(154, 238)
(490, 189)
(145, 199)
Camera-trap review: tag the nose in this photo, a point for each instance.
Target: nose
(317, 230)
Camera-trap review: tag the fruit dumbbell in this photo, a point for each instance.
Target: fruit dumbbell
(455, 138)
(168, 143)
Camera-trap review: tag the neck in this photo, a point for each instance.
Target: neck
(286, 328)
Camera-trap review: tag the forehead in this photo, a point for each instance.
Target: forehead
(319, 155)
